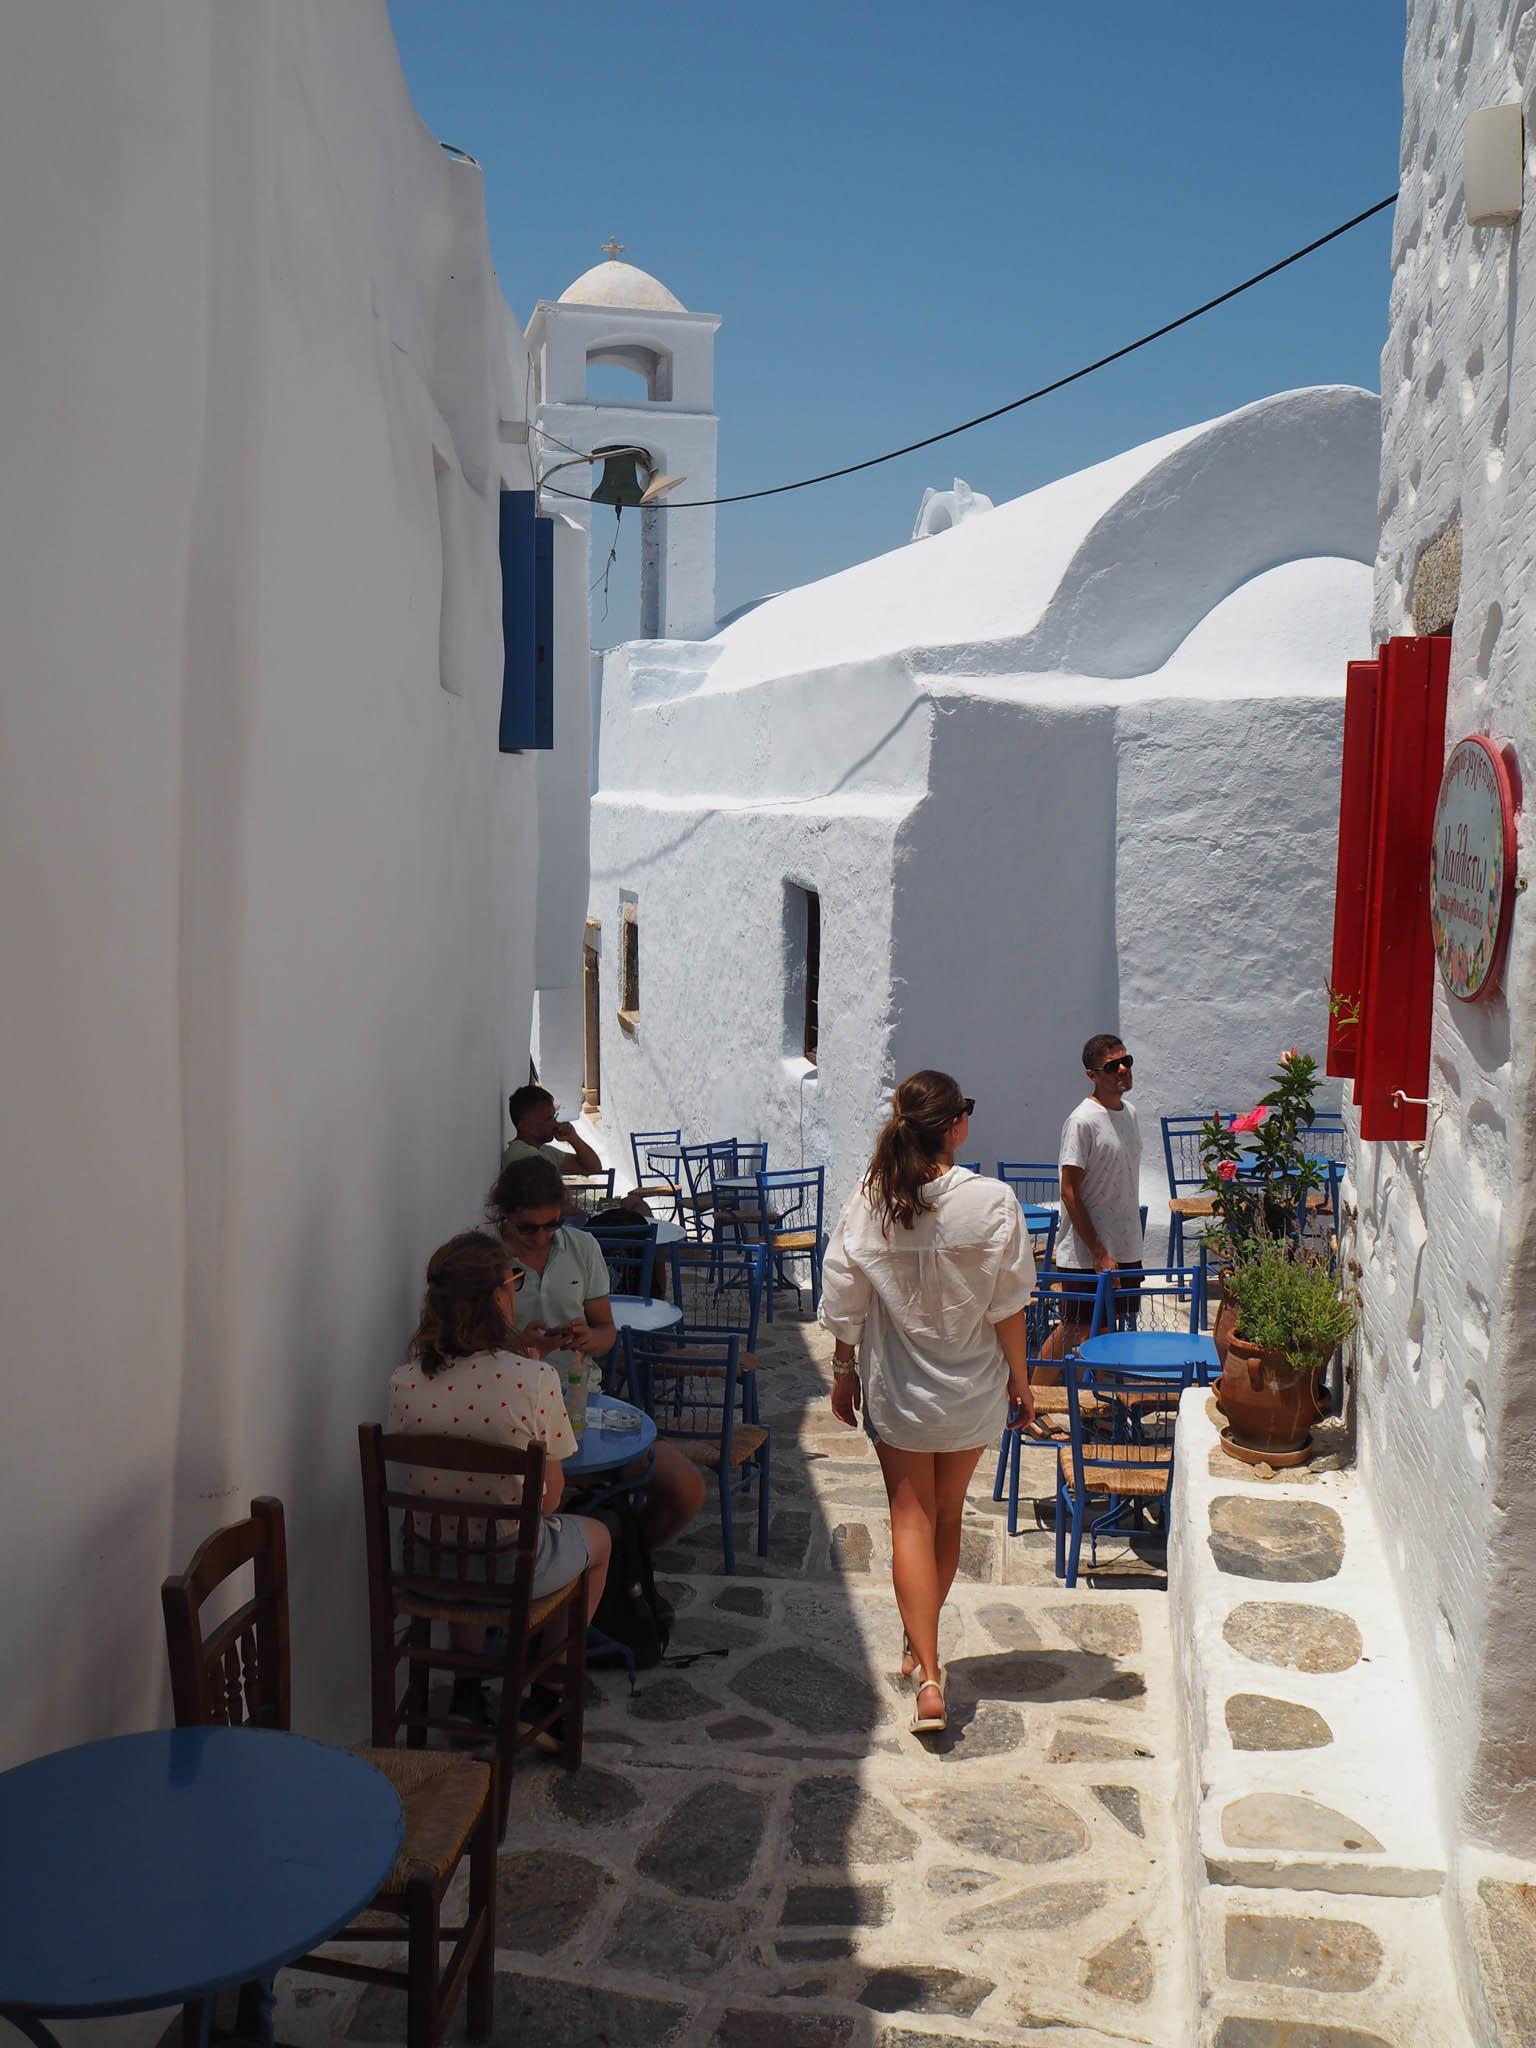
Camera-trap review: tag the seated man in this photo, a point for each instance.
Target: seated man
(535, 1127)
(562, 1307)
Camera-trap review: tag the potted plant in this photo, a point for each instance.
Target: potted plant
(1290, 1316)
(1283, 1311)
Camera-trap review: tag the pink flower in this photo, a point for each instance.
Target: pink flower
(1227, 1170)
(1292, 1054)
(1251, 1121)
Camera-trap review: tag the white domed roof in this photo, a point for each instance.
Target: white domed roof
(620, 284)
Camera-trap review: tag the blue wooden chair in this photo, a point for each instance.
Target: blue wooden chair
(629, 1252)
(1040, 1324)
(719, 1288)
(1034, 1181)
(688, 1386)
(658, 1157)
(1187, 1199)
(1150, 1298)
(970, 1165)
(1042, 1225)
(589, 1191)
(703, 1165)
(1120, 1451)
(792, 1203)
(737, 1215)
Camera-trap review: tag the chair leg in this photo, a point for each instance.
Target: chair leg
(1063, 1509)
(762, 1496)
(1002, 1466)
(768, 1274)
(481, 1993)
(1075, 1547)
(1015, 1443)
(727, 1525)
(422, 1961)
(575, 1677)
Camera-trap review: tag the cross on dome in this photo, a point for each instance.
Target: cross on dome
(613, 249)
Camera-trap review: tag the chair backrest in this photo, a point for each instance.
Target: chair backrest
(1055, 1293)
(589, 1191)
(707, 1163)
(687, 1385)
(1042, 1225)
(657, 1156)
(426, 1541)
(1181, 1150)
(1325, 1138)
(792, 1201)
(236, 1676)
(1032, 1180)
(719, 1287)
(629, 1251)
(1132, 1427)
(751, 1159)
(969, 1165)
(1150, 1298)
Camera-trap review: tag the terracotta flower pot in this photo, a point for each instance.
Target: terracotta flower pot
(1269, 1406)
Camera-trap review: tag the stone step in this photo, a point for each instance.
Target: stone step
(1314, 1844)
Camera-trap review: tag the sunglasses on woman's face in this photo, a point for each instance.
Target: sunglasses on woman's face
(515, 1278)
(970, 1105)
(1114, 1066)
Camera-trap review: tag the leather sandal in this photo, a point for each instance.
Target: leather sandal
(929, 1724)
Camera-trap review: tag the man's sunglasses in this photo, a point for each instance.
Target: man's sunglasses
(533, 1229)
(1110, 1066)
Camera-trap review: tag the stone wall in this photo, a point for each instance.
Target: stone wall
(1447, 1403)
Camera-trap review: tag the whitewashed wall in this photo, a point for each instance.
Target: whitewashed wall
(1009, 855)
(1447, 1398)
(265, 982)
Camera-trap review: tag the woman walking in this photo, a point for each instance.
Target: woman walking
(925, 1286)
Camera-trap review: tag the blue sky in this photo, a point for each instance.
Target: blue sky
(907, 214)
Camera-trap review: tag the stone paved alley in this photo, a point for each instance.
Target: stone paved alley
(757, 1852)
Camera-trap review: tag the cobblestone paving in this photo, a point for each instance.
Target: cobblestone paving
(756, 1854)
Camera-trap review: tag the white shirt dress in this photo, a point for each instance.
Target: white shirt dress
(921, 1306)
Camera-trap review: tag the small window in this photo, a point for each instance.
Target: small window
(802, 972)
(629, 965)
(591, 1025)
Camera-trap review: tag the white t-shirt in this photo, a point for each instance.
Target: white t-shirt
(1106, 1144)
(921, 1306)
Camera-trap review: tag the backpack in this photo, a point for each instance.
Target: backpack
(631, 1614)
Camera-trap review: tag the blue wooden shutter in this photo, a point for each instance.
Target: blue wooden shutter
(527, 625)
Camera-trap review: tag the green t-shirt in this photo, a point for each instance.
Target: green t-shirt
(575, 1274)
(559, 1157)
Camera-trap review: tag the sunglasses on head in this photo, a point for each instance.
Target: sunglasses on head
(1110, 1066)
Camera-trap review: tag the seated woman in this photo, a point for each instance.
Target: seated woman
(463, 1349)
(563, 1308)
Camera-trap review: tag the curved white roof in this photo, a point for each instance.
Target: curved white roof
(1100, 574)
(621, 284)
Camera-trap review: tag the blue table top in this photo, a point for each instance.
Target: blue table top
(601, 1449)
(151, 1869)
(1152, 1350)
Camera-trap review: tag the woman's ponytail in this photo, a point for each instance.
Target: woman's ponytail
(909, 1146)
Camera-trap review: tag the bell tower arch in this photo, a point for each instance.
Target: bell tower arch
(617, 316)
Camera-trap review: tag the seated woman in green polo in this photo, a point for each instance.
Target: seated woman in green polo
(564, 1298)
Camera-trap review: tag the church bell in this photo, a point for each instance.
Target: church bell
(621, 483)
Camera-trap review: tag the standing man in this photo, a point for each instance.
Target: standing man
(535, 1129)
(1100, 1160)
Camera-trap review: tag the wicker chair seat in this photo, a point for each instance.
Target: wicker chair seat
(1123, 1478)
(466, 1607)
(1192, 1205)
(794, 1241)
(746, 1438)
(1052, 1400)
(442, 1795)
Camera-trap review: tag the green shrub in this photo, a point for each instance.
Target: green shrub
(1289, 1300)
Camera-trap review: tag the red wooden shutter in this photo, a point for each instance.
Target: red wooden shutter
(1354, 861)
(1398, 967)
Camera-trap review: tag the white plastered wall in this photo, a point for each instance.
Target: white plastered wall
(1446, 1230)
(265, 982)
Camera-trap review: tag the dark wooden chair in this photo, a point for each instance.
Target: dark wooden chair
(430, 1562)
(238, 1676)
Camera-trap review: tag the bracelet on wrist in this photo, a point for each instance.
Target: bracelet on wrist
(845, 1372)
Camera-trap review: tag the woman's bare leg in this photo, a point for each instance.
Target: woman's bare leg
(951, 1477)
(909, 1487)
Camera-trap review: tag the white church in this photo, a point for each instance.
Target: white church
(966, 803)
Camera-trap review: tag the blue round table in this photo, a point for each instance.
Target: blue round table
(1154, 1351)
(602, 1448)
(159, 1869)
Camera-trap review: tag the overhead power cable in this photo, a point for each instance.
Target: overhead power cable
(1044, 391)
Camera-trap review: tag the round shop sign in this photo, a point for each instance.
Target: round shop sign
(1472, 867)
